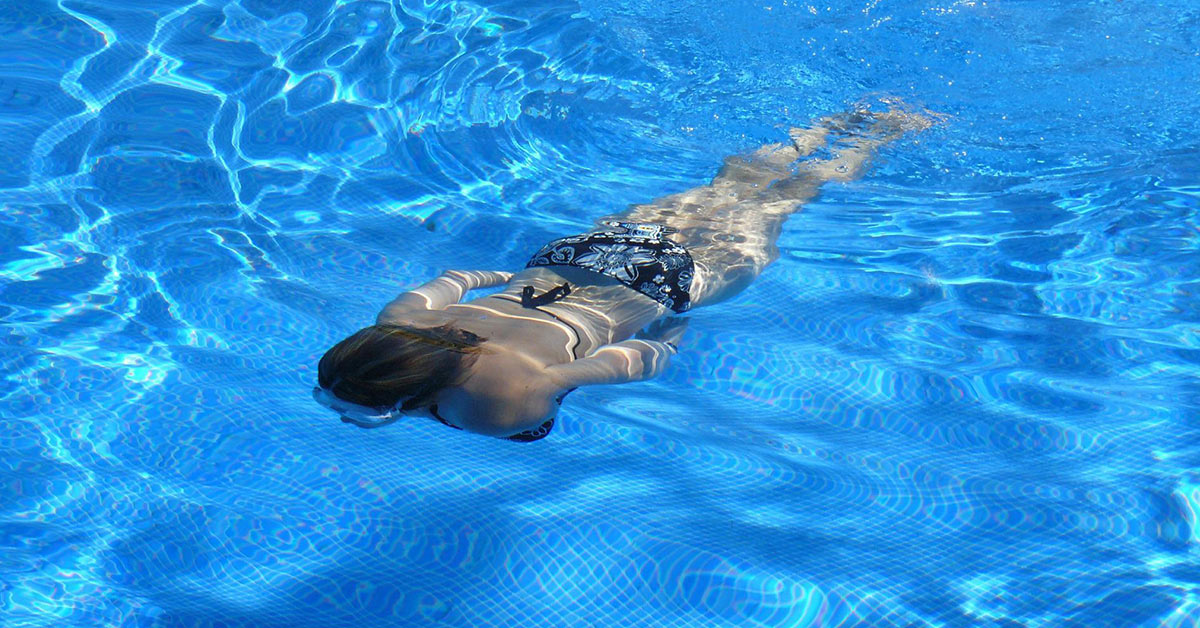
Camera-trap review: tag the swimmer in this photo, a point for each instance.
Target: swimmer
(596, 308)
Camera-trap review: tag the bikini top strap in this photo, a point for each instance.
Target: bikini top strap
(528, 300)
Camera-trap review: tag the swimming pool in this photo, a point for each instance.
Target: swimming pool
(966, 394)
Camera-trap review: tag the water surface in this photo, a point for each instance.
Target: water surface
(966, 395)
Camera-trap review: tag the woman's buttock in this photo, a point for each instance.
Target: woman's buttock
(730, 243)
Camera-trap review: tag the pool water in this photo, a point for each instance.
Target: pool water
(967, 394)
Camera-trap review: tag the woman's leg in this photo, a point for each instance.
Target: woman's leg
(731, 224)
(740, 179)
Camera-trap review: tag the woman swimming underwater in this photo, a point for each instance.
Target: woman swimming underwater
(500, 365)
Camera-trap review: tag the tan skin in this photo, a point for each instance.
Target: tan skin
(528, 357)
(533, 355)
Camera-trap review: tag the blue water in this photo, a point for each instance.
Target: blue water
(966, 395)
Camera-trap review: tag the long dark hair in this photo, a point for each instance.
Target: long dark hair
(382, 364)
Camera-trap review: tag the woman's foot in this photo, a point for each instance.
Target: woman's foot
(849, 129)
(856, 136)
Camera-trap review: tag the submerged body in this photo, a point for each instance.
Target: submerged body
(580, 330)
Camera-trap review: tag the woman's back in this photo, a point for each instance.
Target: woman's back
(598, 311)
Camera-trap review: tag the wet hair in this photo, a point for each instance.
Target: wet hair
(381, 365)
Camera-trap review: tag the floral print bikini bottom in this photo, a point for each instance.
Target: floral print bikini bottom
(636, 254)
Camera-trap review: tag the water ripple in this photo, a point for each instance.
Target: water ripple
(964, 395)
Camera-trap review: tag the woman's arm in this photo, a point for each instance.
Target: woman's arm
(446, 289)
(617, 363)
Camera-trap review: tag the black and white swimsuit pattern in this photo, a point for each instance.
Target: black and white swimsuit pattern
(635, 254)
